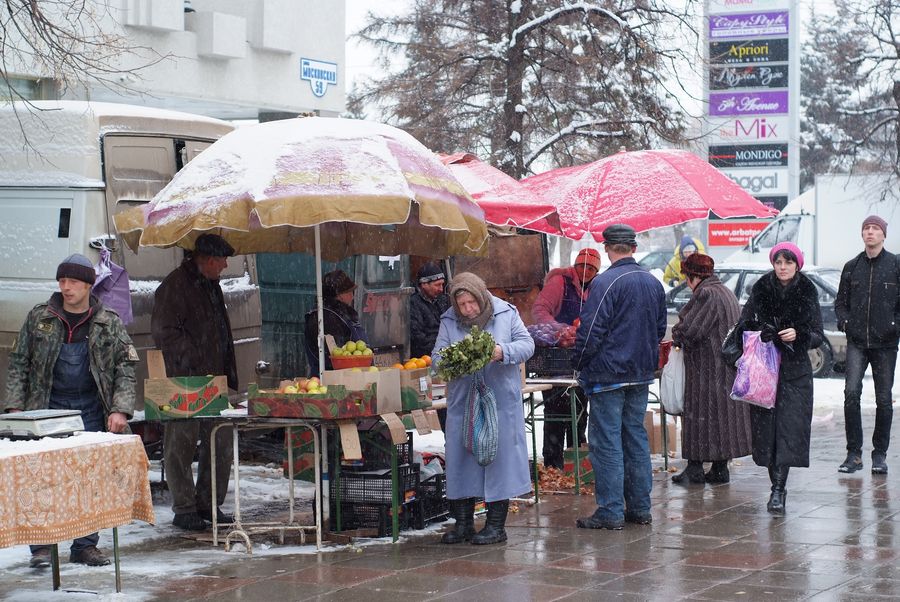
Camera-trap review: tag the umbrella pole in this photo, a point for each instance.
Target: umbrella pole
(320, 313)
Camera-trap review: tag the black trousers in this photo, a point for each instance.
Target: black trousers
(558, 432)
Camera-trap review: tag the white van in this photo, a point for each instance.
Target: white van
(65, 169)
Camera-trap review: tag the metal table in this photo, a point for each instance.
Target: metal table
(533, 385)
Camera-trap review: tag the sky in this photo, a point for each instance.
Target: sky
(360, 59)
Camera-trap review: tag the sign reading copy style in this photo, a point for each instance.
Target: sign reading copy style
(760, 182)
(748, 103)
(747, 129)
(747, 25)
(758, 155)
(749, 51)
(732, 233)
(727, 78)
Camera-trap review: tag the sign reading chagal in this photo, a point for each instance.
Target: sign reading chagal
(748, 129)
(726, 78)
(760, 182)
(319, 74)
(757, 155)
(744, 6)
(748, 25)
(749, 51)
(748, 103)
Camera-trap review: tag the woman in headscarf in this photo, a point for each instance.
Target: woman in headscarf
(784, 306)
(507, 476)
(715, 428)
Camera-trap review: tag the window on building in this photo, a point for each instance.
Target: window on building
(27, 89)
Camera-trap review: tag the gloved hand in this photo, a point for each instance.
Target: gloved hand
(768, 334)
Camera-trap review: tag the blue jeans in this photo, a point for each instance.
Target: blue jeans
(883, 363)
(620, 451)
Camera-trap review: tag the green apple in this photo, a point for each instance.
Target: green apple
(367, 351)
(357, 352)
(360, 345)
(373, 368)
(350, 346)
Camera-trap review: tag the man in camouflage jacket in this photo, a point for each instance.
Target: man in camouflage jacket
(72, 353)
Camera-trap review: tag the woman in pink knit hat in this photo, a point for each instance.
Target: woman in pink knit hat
(784, 306)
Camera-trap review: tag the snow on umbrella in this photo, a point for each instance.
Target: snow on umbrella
(371, 188)
(505, 201)
(645, 189)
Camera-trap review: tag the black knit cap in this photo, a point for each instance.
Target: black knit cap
(430, 272)
(336, 282)
(213, 245)
(619, 234)
(76, 267)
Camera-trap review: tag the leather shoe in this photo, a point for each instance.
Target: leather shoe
(851, 464)
(879, 466)
(596, 521)
(189, 521)
(221, 517)
(638, 518)
(90, 556)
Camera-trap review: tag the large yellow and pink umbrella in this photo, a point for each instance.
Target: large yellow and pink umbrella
(327, 187)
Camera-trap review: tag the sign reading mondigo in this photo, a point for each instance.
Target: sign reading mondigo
(756, 155)
(760, 182)
(769, 76)
(749, 51)
(773, 102)
(732, 234)
(748, 25)
(736, 130)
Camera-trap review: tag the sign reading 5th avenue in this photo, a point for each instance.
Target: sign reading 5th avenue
(748, 103)
(749, 51)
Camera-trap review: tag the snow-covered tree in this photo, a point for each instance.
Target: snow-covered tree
(527, 83)
(851, 90)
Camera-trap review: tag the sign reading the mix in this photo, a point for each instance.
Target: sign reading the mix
(752, 113)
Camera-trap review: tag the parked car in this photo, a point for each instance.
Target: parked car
(653, 260)
(740, 278)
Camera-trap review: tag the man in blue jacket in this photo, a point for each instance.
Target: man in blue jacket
(617, 352)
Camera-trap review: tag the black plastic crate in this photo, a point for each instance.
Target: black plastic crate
(377, 516)
(376, 452)
(433, 498)
(374, 487)
(550, 361)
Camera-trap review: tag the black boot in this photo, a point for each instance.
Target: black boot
(463, 510)
(718, 472)
(493, 531)
(777, 500)
(692, 474)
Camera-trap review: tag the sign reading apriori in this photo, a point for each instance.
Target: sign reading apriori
(744, 6)
(320, 75)
(732, 233)
(760, 182)
(750, 76)
(748, 25)
(754, 155)
(748, 103)
(748, 51)
(736, 130)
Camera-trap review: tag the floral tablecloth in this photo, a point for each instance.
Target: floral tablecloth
(53, 490)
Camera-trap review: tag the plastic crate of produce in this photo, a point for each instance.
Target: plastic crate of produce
(374, 486)
(551, 361)
(433, 498)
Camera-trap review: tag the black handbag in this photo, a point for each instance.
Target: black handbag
(733, 345)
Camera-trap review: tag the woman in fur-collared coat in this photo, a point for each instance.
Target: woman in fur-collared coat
(784, 305)
(715, 428)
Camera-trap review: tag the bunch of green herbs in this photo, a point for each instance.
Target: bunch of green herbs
(467, 356)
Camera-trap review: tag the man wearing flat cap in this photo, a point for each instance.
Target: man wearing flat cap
(617, 352)
(561, 300)
(867, 307)
(190, 326)
(73, 353)
(340, 318)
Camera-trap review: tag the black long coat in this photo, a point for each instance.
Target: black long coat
(714, 426)
(781, 435)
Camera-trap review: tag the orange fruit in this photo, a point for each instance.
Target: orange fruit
(398, 366)
(427, 359)
(410, 365)
(420, 363)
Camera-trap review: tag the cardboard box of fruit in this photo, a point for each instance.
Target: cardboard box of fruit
(184, 397)
(385, 381)
(307, 398)
(415, 383)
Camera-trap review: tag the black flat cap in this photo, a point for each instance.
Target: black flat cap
(619, 234)
(213, 245)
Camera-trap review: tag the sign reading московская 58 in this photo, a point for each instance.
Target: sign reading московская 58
(748, 25)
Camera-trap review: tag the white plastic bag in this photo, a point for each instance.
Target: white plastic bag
(671, 383)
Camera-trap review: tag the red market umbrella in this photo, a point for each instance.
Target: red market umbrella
(644, 189)
(503, 198)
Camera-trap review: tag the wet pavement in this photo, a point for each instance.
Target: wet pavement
(838, 541)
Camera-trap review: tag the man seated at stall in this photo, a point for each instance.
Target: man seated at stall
(565, 291)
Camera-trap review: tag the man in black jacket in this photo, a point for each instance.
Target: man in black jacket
(868, 311)
(425, 308)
